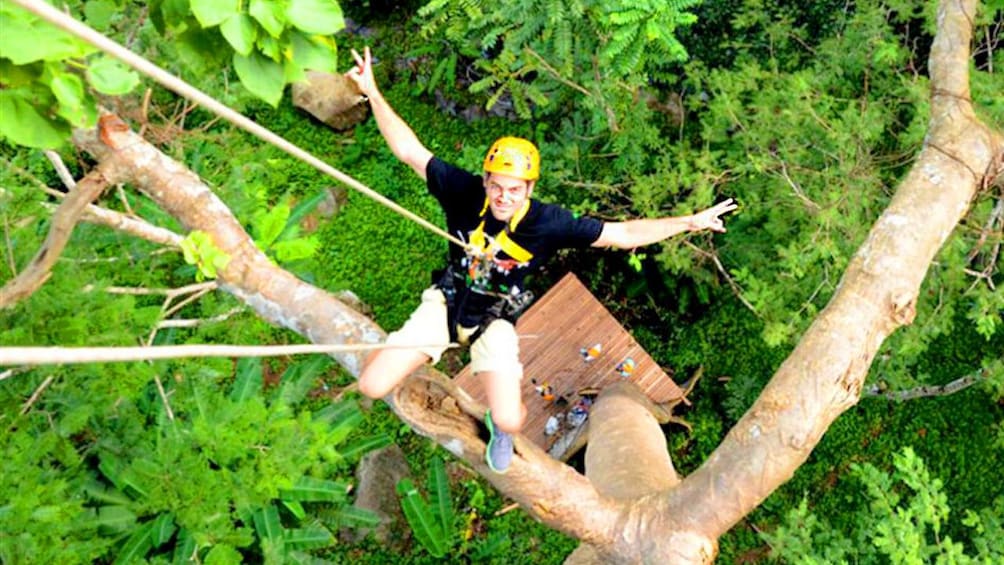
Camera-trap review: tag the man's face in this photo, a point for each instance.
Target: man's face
(506, 194)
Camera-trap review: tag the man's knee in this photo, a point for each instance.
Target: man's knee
(370, 387)
(509, 418)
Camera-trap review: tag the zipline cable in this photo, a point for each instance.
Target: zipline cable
(63, 355)
(179, 86)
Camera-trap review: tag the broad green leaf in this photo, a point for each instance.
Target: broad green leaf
(355, 517)
(336, 412)
(321, 17)
(260, 75)
(240, 32)
(359, 447)
(109, 76)
(223, 554)
(314, 53)
(439, 495)
(269, 14)
(296, 249)
(203, 51)
(420, 518)
(25, 38)
(73, 104)
(184, 548)
(249, 379)
(198, 249)
(112, 468)
(291, 70)
(214, 12)
(99, 13)
(137, 546)
(270, 223)
(99, 492)
(310, 489)
(23, 125)
(15, 76)
(345, 426)
(301, 210)
(310, 537)
(300, 378)
(295, 508)
(269, 47)
(162, 529)
(266, 523)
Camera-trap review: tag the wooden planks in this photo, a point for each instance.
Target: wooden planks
(565, 320)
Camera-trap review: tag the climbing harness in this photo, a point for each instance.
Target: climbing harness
(473, 276)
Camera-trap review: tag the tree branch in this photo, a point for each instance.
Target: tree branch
(924, 391)
(825, 373)
(63, 222)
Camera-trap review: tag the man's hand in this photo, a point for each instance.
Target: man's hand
(709, 219)
(362, 73)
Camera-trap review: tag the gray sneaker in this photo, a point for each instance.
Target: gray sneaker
(499, 452)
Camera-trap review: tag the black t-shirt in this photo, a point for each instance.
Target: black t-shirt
(545, 229)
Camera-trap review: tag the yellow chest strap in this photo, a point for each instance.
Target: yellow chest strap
(502, 241)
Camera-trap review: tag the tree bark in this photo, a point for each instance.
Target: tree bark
(660, 520)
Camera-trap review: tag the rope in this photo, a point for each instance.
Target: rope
(65, 355)
(182, 88)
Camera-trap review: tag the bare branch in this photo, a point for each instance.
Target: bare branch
(557, 75)
(38, 392)
(61, 170)
(924, 391)
(102, 216)
(63, 222)
(140, 291)
(163, 397)
(10, 248)
(796, 188)
(738, 292)
(195, 322)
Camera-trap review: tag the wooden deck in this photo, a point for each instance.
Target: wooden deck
(553, 332)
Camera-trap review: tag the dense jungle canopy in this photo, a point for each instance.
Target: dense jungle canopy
(843, 339)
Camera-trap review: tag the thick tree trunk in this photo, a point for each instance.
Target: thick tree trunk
(657, 520)
(824, 375)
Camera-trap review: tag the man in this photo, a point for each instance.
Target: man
(477, 297)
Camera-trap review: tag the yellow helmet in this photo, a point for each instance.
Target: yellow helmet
(513, 156)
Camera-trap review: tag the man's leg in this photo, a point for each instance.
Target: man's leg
(386, 368)
(505, 399)
(495, 358)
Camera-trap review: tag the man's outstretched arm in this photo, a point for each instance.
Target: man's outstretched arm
(399, 136)
(637, 233)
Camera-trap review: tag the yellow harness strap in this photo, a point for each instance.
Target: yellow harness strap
(502, 240)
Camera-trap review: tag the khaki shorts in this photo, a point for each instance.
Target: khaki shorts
(496, 350)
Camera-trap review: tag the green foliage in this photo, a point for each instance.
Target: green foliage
(902, 523)
(431, 521)
(276, 230)
(200, 250)
(137, 481)
(269, 43)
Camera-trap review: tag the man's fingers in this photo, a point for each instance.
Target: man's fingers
(359, 60)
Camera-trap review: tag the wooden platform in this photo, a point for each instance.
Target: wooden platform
(553, 332)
